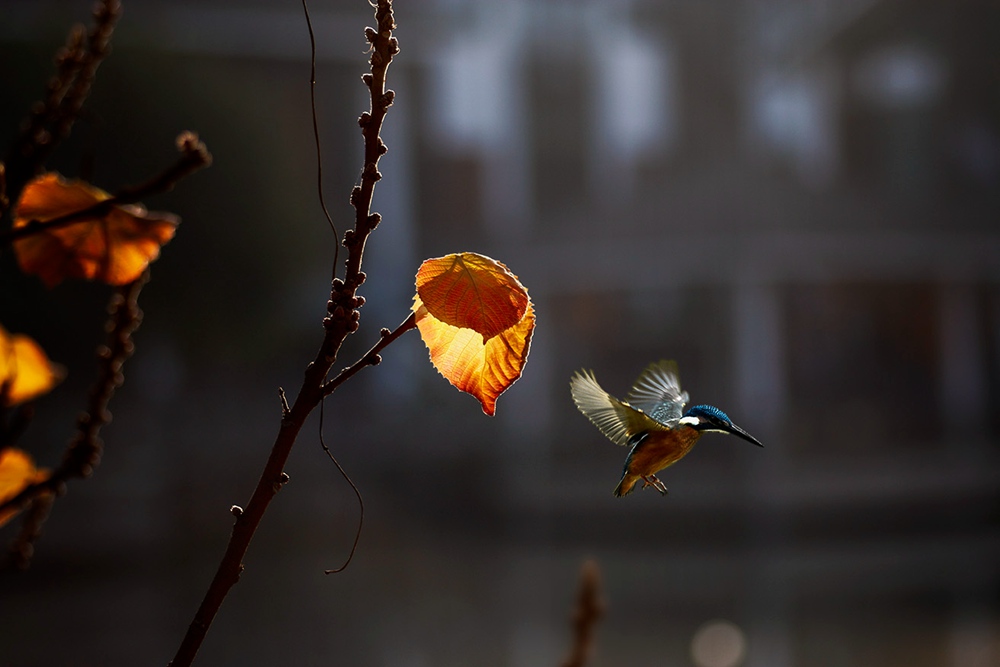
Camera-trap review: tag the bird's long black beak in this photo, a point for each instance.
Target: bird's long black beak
(737, 431)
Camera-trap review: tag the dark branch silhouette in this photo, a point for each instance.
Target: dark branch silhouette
(52, 118)
(194, 156)
(83, 454)
(589, 609)
(341, 321)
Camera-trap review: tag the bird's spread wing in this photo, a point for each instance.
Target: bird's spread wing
(616, 419)
(657, 392)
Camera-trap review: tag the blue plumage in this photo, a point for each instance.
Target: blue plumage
(706, 411)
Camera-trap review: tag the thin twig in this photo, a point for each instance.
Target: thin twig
(357, 493)
(83, 454)
(284, 403)
(371, 357)
(315, 127)
(341, 322)
(194, 156)
(588, 612)
(336, 261)
(23, 546)
(4, 200)
(51, 120)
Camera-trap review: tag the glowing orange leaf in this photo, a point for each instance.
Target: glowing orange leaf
(114, 247)
(471, 291)
(25, 371)
(483, 368)
(17, 470)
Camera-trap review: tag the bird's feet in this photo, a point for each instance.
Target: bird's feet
(651, 480)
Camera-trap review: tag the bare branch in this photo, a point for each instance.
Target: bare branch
(588, 612)
(83, 454)
(371, 357)
(341, 321)
(52, 118)
(4, 200)
(23, 546)
(194, 156)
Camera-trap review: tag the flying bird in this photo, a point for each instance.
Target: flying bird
(651, 421)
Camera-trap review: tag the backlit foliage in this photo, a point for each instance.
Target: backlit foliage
(17, 470)
(476, 319)
(114, 246)
(25, 370)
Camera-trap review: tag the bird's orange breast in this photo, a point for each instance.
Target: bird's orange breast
(661, 449)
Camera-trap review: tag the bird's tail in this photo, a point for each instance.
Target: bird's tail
(626, 485)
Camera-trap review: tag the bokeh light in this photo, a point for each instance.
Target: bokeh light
(718, 644)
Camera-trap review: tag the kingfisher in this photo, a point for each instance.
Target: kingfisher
(651, 421)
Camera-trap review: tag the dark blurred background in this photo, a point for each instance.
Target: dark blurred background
(797, 200)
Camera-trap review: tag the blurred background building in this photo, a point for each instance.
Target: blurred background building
(797, 200)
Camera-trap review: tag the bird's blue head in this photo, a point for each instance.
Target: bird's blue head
(708, 413)
(706, 418)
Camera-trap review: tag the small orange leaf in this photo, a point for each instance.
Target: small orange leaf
(114, 248)
(472, 291)
(17, 470)
(25, 372)
(483, 368)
